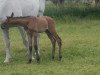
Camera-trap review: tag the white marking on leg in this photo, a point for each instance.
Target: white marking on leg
(38, 37)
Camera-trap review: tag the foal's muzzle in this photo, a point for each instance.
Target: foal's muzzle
(3, 27)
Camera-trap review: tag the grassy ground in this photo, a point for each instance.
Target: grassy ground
(81, 50)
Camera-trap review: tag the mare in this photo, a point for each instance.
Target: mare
(19, 8)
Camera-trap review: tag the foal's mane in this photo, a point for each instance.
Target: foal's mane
(20, 17)
(25, 17)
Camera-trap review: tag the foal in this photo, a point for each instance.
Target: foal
(34, 25)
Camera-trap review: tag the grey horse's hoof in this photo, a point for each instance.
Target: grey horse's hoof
(7, 61)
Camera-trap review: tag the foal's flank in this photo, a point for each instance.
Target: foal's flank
(34, 25)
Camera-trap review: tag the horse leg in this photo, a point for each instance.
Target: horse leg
(36, 46)
(41, 7)
(59, 41)
(24, 36)
(30, 47)
(38, 37)
(53, 41)
(7, 43)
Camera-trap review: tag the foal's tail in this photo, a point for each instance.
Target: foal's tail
(51, 24)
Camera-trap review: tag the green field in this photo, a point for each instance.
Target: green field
(80, 49)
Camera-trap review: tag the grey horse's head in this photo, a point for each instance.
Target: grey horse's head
(4, 24)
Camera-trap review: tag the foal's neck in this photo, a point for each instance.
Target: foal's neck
(18, 21)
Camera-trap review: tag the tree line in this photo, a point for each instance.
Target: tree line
(97, 2)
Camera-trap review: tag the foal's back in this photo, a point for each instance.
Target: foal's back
(41, 24)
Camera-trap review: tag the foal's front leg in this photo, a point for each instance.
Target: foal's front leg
(30, 47)
(36, 46)
(7, 43)
(25, 38)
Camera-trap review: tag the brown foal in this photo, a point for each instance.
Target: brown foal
(34, 25)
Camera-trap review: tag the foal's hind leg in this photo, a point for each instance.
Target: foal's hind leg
(53, 41)
(59, 41)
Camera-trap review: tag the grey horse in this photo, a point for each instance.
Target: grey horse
(19, 8)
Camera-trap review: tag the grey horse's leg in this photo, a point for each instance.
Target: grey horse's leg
(7, 43)
(36, 46)
(24, 36)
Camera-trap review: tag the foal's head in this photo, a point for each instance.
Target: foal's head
(4, 24)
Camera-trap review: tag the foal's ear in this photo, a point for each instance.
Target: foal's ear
(8, 18)
(12, 14)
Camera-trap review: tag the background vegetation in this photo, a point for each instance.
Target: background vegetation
(79, 28)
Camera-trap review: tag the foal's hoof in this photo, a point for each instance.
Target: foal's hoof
(38, 60)
(53, 57)
(60, 58)
(30, 61)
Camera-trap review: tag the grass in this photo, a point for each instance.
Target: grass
(81, 50)
(80, 11)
